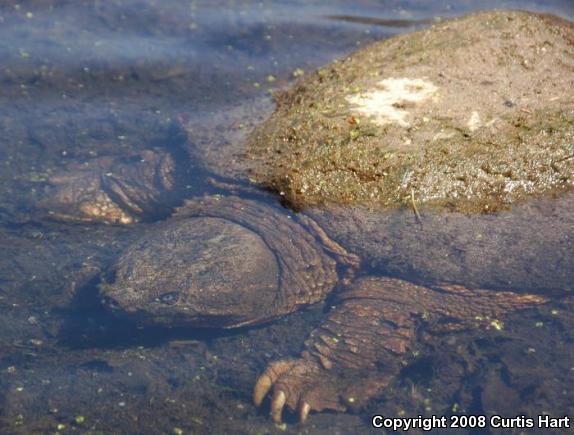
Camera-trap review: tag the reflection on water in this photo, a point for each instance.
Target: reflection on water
(81, 79)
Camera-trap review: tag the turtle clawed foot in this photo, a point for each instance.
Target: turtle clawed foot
(78, 194)
(301, 385)
(116, 190)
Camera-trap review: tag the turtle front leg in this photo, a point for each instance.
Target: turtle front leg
(361, 346)
(118, 190)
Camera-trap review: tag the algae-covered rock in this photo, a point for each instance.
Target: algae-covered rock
(471, 114)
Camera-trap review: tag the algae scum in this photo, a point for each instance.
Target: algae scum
(405, 124)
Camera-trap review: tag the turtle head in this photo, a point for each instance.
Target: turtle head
(207, 272)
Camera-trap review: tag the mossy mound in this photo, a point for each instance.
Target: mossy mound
(471, 115)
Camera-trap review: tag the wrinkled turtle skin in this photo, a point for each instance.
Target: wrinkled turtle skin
(236, 260)
(229, 262)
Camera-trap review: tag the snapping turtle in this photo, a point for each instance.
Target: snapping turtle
(231, 261)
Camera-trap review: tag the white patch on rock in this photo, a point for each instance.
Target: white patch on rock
(474, 121)
(441, 135)
(389, 102)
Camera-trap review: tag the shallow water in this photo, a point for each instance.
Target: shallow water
(80, 79)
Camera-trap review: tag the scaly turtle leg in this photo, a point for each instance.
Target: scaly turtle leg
(358, 350)
(114, 190)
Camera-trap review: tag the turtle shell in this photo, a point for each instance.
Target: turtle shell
(470, 115)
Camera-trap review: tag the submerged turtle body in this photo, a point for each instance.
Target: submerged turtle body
(229, 262)
(334, 152)
(528, 248)
(221, 262)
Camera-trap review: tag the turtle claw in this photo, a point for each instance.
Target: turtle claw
(264, 384)
(304, 412)
(268, 378)
(301, 385)
(277, 405)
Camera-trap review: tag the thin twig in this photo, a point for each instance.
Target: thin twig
(563, 159)
(415, 209)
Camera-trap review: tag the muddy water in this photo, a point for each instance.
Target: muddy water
(80, 79)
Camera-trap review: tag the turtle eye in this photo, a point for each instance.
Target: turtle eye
(110, 303)
(169, 298)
